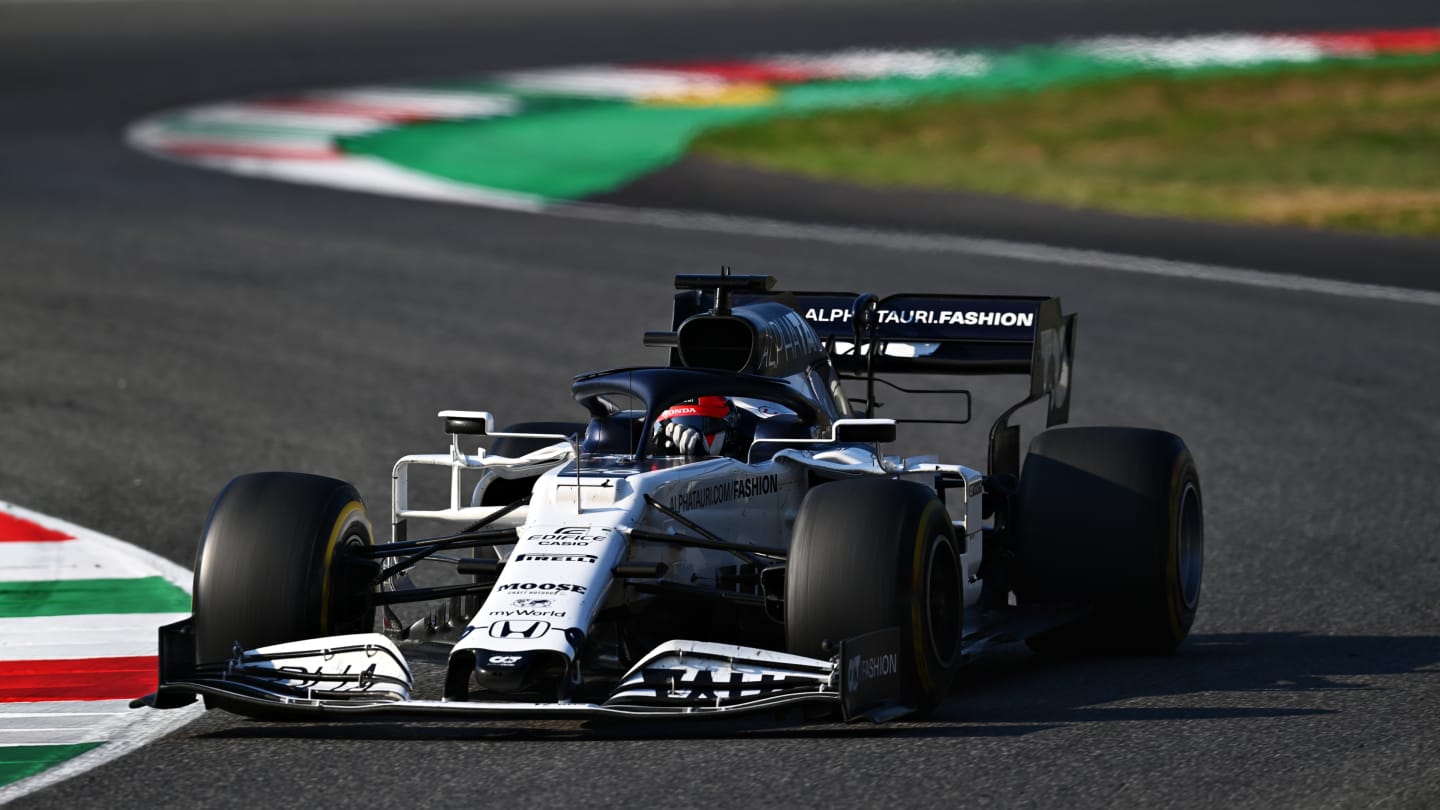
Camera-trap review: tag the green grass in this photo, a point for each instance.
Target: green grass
(1343, 145)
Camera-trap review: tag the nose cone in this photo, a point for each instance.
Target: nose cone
(503, 671)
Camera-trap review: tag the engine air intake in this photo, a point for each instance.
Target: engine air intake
(720, 342)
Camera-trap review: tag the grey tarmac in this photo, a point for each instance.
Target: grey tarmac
(163, 328)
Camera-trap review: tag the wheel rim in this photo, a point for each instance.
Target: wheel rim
(942, 594)
(1191, 542)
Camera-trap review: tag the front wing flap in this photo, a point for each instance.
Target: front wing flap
(365, 675)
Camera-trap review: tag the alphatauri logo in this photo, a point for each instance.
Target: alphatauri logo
(861, 669)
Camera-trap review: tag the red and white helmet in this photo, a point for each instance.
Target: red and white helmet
(697, 428)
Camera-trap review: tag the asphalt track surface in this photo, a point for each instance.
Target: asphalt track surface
(163, 328)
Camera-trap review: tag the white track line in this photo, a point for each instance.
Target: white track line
(182, 577)
(1200, 51)
(62, 722)
(110, 635)
(435, 104)
(372, 176)
(991, 248)
(608, 81)
(81, 558)
(863, 63)
(258, 115)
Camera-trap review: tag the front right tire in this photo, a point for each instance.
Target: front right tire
(277, 563)
(871, 553)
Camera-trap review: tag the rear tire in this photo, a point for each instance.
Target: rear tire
(272, 564)
(872, 553)
(1111, 517)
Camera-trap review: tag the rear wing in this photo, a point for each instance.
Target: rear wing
(932, 334)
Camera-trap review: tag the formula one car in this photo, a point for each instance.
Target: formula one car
(784, 560)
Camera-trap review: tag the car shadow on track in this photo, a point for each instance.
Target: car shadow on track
(1213, 676)
(1012, 692)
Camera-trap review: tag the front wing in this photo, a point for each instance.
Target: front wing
(366, 676)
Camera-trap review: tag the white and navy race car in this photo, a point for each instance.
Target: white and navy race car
(624, 567)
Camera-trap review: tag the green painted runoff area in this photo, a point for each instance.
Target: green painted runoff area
(1340, 142)
(81, 596)
(21, 761)
(563, 148)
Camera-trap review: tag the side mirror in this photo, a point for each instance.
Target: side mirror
(468, 423)
(867, 431)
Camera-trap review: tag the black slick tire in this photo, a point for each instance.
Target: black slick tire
(1112, 518)
(872, 553)
(273, 565)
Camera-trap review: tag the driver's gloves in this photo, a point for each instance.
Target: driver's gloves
(677, 439)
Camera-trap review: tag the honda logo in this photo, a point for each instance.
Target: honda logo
(519, 629)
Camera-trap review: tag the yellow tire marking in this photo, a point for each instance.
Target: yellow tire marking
(918, 609)
(1175, 588)
(350, 509)
(730, 95)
